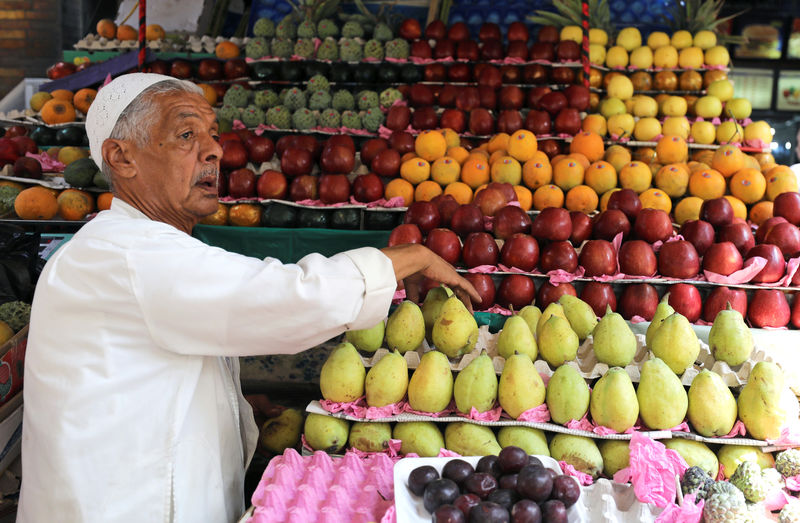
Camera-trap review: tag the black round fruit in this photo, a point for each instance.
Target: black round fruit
(508, 481)
(488, 512)
(439, 492)
(419, 478)
(448, 514)
(490, 465)
(481, 484)
(566, 490)
(512, 459)
(534, 483)
(554, 511)
(457, 470)
(526, 511)
(504, 497)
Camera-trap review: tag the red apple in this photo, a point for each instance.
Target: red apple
(242, 183)
(60, 70)
(510, 220)
(787, 237)
(401, 142)
(410, 29)
(489, 31)
(420, 95)
(516, 291)
(484, 284)
(458, 31)
(538, 122)
(768, 308)
(372, 147)
(766, 226)
(234, 68)
(445, 49)
(304, 187)
(398, 118)
(480, 248)
(787, 205)
(567, 121)
(447, 95)
(481, 122)
(775, 267)
(685, 299)
(581, 227)
(466, 219)
(552, 223)
(699, 233)
(577, 97)
(8, 152)
(637, 258)
(598, 258)
(506, 188)
(468, 99)
(447, 206)
(544, 51)
(296, 162)
(453, 119)
(490, 200)
(609, 223)
(490, 76)
(424, 118)
(738, 233)
(678, 259)
(334, 188)
(424, 214)
(234, 155)
(535, 74)
(598, 296)
(27, 167)
(719, 297)
(436, 30)
(487, 96)
(492, 50)
(517, 49)
(24, 144)
(259, 149)
(722, 258)
(520, 251)
(405, 233)
(16, 130)
(559, 255)
(717, 212)
(272, 185)
(343, 140)
(552, 102)
(638, 299)
(511, 97)
(548, 33)
(653, 225)
(549, 293)
(367, 188)
(209, 69)
(467, 50)
(421, 49)
(445, 243)
(158, 67)
(458, 72)
(796, 311)
(517, 31)
(627, 201)
(222, 184)
(568, 51)
(386, 163)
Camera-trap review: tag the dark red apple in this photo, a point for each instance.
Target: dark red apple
(181, 69)
(334, 188)
(436, 30)
(484, 284)
(719, 297)
(517, 31)
(490, 77)
(24, 144)
(638, 299)
(699, 233)
(567, 121)
(468, 99)
(27, 167)
(405, 233)
(685, 299)
(768, 308)
(273, 185)
(549, 293)
(480, 248)
(509, 122)
(304, 187)
(609, 223)
(447, 206)
(552, 102)
(559, 255)
(481, 122)
(445, 243)
(296, 162)
(717, 212)
(16, 130)
(209, 69)
(787, 237)
(775, 267)
(506, 188)
(424, 118)
(445, 49)
(581, 227)
(424, 214)
(341, 140)
(678, 259)
(158, 67)
(242, 183)
(627, 201)
(458, 31)
(510, 220)
(598, 258)
(259, 148)
(386, 163)
(796, 311)
(420, 95)
(538, 122)
(447, 95)
(637, 258)
(466, 219)
(577, 97)
(548, 33)
(410, 29)
(766, 226)
(487, 96)
(457, 72)
(653, 225)
(520, 251)
(453, 119)
(489, 31)
(234, 68)
(568, 51)
(598, 296)
(398, 118)
(511, 97)
(467, 50)
(535, 74)
(492, 50)
(60, 70)
(401, 142)
(421, 49)
(222, 184)
(552, 223)
(372, 147)
(516, 291)
(740, 234)
(544, 51)
(787, 205)
(490, 200)
(234, 155)
(517, 49)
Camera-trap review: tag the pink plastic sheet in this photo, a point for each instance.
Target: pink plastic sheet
(540, 414)
(582, 477)
(744, 275)
(48, 163)
(652, 471)
(686, 513)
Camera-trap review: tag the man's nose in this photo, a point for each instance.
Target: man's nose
(212, 150)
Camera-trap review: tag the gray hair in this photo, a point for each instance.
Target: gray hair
(135, 121)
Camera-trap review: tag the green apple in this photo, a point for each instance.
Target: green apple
(722, 89)
(739, 108)
(611, 106)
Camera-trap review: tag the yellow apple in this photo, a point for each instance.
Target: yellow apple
(674, 106)
(597, 54)
(616, 56)
(739, 108)
(646, 129)
(758, 130)
(717, 56)
(676, 125)
(657, 39)
(704, 39)
(642, 57)
(729, 131)
(611, 106)
(645, 106)
(703, 132)
(708, 106)
(681, 39)
(630, 38)
(690, 58)
(722, 89)
(666, 57)
(620, 87)
(572, 32)
(598, 36)
(621, 124)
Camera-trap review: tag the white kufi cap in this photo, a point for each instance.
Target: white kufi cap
(111, 100)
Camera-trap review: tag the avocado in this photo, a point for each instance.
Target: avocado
(100, 181)
(291, 71)
(279, 215)
(43, 135)
(80, 173)
(346, 219)
(265, 70)
(365, 73)
(315, 68)
(388, 73)
(71, 135)
(381, 220)
(410, 73)
(340, 74)
(313, 218)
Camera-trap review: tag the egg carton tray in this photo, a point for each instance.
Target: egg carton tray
(586, 363)
(315, 407)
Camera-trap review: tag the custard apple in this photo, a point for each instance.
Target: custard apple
(265, 98)
(229, 113)
(16, 314)
(319, 100)
(282, 47)
(236, 95)
(327, 28)
(252, 116)
(264, 27)
(773, 479)
(330, 118)
(279, 116)
(790, 513)
(295, 99)
(286, 29)
(306, 29)
(397, 48)
(788, 462)
(373, 119)
(373, 49)
(343, 100)
(368, 100)
(389, 96)
(352, 29)
(351, 120)
(350, 50)
(304, 119)
(318, 83)
(304, 47)
(725, 504)
(256, 48)
(748, 479)
(382, 32)
(7, 196)
(328, 50)
(696, 481)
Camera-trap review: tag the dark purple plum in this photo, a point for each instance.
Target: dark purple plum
(490, 465)
(448, 514)
(465, 502)
(554, 511)
(420, 477)
(526, 511)
(481, 484)
(512, 459)
(488, 512)
(439, 492)
(504, 497)
(534, 483)
(457, 470)
(566, 490)
(508, 481)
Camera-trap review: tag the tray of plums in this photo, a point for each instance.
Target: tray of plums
(511, 486)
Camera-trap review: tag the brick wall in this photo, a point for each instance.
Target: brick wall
(30, 39)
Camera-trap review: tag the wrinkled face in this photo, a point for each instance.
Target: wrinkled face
(177, 170)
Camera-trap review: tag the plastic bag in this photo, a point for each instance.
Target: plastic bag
(19, 263)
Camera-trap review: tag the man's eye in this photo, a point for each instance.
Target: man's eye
(187, 135)
(215, 137)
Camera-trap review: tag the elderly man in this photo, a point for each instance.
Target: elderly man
(133, 406)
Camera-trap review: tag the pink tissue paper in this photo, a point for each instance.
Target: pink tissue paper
(652, 471)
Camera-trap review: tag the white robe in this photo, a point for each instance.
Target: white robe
(133, 406)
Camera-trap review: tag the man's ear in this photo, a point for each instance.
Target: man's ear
(118, 156)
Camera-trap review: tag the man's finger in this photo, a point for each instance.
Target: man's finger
(469, 289)
(464, 297)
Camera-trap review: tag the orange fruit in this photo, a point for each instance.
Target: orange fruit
(399, 187)
(427, 191)
(673, 179)
(780, 179)
(524, 196)
(580, 157)
(245, 215)
(568, 173)
(36, 203)
(581, 198)
(83, 99)
(645, 155)
(727, 160)
(451, 137)
(540, 156)
(618, 156)
(57, 111)
(748, 185)
(154, 32)
(126, 32)
(506, 170)
(106, 28)
(480, 152)
(104, 201)
(522, 145)
(495, 156)
(226, 50)
(498, 141)
(635, 175)
(672, 149)
(459, 154)
(600, 176)
(74, 204)
(445, 170)
(430, 145)
(411, 155)
(688, 209)
(209, 93)
(751, 162)
(475, 172)
(656, 199)
(589, 144)
(536, 173)
(548, 196)
(557, 158)
(63, 94)
(220, 216)
(707, 184)
(595, 123)
(739, 208)
(415, 171)
(460, 191)
(604, 198)
(704, 156)
(761, 212)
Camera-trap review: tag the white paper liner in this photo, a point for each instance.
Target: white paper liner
(616, 502)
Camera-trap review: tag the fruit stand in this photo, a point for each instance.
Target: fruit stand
(603, 185)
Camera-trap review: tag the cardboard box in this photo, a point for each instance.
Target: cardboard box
(12, 363)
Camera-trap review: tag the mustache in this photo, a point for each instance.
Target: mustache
(205, 172)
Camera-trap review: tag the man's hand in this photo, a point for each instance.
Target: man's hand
(413, 263)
